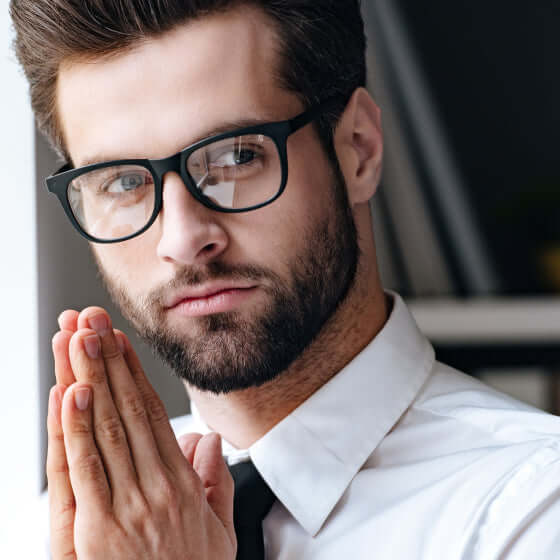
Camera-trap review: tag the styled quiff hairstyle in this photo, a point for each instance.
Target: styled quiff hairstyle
(321, 42)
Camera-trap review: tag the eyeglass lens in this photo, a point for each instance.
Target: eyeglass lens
(235, 173)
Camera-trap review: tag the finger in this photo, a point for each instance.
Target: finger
(89, 367)
(68, 320)
(85, 314)
(129, 403)
(163, 433)
(62, 505)
(62, 367)
(87, 474)
(187, 444)
(216, 478)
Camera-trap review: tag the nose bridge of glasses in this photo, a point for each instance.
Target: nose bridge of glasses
(165, 165)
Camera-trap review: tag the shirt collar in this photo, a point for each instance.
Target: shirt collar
(311, 456)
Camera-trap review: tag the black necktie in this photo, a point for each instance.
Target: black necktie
(252, 501)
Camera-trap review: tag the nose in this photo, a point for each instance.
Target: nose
(189, 234)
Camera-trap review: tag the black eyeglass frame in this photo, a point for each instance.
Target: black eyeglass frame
(279, 132)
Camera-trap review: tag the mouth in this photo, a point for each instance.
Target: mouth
(212, 301)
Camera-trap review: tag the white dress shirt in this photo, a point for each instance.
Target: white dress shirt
(399, 457)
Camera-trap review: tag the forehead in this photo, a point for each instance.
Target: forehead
(161, 96)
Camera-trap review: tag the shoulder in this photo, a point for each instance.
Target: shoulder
(505, 456)
(474, 405)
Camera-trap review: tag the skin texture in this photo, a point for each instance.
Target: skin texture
(122, 452)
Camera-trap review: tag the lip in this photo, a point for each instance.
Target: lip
(220, 302)
(207, 291)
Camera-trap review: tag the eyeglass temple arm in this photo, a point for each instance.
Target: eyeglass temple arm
(314, 112)
(66, 167)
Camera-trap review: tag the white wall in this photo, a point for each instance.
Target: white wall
(20, 466)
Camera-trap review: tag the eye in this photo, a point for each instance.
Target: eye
(244, 156)
(238, 159)
(234, 157)
(125, 183)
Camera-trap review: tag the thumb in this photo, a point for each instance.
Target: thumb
(216, 479)
(187, 443)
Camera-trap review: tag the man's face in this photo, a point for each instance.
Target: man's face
(288, 264)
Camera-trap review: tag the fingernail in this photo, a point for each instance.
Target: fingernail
(99, 324)
(81, 397)
(58, 321)
(120, 343)
(91, 344)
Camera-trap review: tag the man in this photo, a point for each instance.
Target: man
(221, 156)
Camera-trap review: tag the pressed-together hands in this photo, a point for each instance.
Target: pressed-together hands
(120, 485)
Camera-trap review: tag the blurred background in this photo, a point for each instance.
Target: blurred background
(466, 220)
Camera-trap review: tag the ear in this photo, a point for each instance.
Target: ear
(358, 141)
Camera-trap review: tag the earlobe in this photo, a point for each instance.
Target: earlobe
(359, 146)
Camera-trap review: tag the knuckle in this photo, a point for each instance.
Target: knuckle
(63, 528)
(132, 502)
(133, 405)
(65, 507)
(80, 426)
(95, 374)
(56, 463)
(148, 528)
(111, 430)
(156, 408)
(112, 354)
(89, 466)
(55, 468)
(133, 511)
(166, 488)
(56, 437)
(165, 492)
(53, 426)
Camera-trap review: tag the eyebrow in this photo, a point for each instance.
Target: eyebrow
(228, 126)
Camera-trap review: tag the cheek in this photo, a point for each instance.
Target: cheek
(128, 263)
(310, 178)
(275, 233)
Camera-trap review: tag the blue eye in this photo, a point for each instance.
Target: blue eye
(126, 183)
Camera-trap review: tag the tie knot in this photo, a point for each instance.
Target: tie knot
(253, 498)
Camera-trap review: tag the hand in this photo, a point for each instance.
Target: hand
(120, 485)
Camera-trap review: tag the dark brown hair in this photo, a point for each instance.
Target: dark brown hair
(322, 44)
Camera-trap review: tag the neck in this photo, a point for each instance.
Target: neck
(243, 417)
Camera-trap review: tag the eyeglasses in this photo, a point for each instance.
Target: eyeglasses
(238, 171)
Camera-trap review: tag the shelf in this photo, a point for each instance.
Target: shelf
(481, 321)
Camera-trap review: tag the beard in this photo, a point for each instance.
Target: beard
(228, 352)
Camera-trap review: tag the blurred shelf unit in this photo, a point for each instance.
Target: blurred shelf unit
(469, 204)
(476, 321)
(467, 219)
(511, 343)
